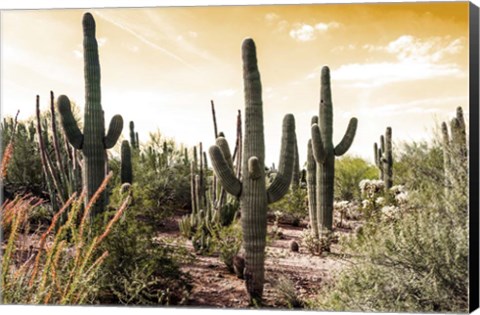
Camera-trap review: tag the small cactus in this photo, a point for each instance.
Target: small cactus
(294, 246)
(384, 158)
(133, 136)
(126, 175)
(239, 266)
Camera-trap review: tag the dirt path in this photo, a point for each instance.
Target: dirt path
(214, 286)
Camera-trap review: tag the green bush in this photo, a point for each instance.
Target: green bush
(349, 171)
(140, 270)
(24, 173)
(292, 207)
(416, 263)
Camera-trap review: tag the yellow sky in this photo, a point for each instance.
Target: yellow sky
(398, 65)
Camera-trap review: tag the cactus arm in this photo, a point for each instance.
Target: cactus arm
(69, 124)
(375, 154)
(222, 143)
(114, 131)
(317, 144)
(312, 188)
(282, 181)
(347, 140)
(224, 173)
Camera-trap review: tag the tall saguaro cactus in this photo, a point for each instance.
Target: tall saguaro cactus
(252, 191)
(92, 142)
(324, 153)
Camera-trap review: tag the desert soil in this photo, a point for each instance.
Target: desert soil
(214, 286)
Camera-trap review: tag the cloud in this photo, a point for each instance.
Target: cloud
(143, 39)
(413, 59)
(303, 33)
(381, 73)
(433, 105)
(306, 32)
(432, 49)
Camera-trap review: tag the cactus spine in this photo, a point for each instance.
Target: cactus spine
(252, 192)
(324, 153)
(92, 142)
(126, 166)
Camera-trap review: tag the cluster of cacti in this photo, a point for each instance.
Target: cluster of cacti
(455, 151)
(211, 207)
(92, 142)
(384, 158)
(61, 170)
(324, 152)
(251, 190)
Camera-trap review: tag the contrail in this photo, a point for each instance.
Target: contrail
(144, 40)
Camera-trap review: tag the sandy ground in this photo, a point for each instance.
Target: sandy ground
(214, 286)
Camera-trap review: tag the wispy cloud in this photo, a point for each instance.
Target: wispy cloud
(438, 105)
(413, 59)
(143, 39)
(379, 74)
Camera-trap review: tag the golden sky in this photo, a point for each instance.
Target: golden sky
(399, 65)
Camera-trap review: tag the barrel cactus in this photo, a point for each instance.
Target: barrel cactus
(252, 192)
(92, 142)
(324, 153)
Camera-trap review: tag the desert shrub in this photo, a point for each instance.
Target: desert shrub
(140, 269)
(416, 162)
(349, 171)
(24, 173)
(227, 241)
(417, 262)
(57, 264)
(286, 293)
(293, 206)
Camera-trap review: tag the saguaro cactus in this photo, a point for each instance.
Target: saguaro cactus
(92, 142)
(324, 153)
(455, 152)
(384, 158)
(133, 139)
(126, 175)
(252, 192)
